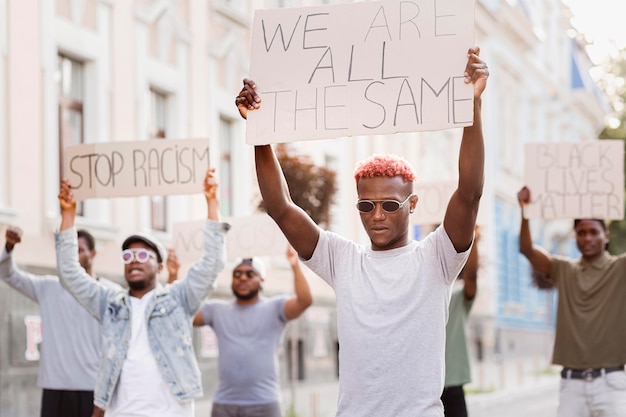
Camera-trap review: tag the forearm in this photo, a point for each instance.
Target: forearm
(301, 287)
(472, 159)
(67, 219)
(213, 206)
(462, 209)
(525, 238)
(272, 183)
(17, 279)
(203, 274)
(301, 232)
(540, 260)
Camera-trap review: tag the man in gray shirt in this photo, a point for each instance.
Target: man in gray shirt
(249, 329)
(70, 349)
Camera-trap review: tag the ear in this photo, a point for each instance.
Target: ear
(413, 203)
(93, 253)
(160, 267)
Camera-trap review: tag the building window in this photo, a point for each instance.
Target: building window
(226, 169)
(70, 76)
(158, 123)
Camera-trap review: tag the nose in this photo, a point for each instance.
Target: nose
(379, 213)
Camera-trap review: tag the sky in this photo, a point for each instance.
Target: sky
(602, 22)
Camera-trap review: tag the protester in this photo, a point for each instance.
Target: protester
(148, 366)
(249, 330)
(71, 338)
(590, 341)
(457, 357)
(392, 297)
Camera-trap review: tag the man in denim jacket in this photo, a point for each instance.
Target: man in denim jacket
(148, 365)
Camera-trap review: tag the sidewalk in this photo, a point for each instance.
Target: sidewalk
(531, 388)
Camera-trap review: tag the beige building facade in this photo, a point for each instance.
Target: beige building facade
(89, 71)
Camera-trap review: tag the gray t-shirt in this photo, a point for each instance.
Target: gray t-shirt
(392, 308)
(248, 338)
(70, 347)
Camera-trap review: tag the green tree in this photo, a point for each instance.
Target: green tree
(613, 83)
(312, 187)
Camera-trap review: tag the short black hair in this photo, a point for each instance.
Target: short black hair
(91, 242)
(602, 223)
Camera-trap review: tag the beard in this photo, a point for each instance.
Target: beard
(248, 296)
(138, 285)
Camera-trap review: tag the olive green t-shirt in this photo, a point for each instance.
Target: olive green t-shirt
(457, 357)
(591, 315)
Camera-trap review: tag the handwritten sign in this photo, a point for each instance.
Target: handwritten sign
(361, 69)
(433, 201)
(255, 235)
(575, 180)
(147, 167)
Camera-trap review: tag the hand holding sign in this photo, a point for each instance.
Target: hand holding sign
(364, 68)
(247, 98)
(67, 204)
(476, 71)
(144, 167)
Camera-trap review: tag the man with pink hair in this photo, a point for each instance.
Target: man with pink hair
(392, 296)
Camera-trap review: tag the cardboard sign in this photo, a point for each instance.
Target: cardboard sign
(255, 235)
(575, 180)
(146, 167)
(363, 68)
(433, 201)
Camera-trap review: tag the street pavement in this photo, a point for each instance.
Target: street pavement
(537, 398)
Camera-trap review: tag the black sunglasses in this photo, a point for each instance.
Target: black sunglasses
(388, 206)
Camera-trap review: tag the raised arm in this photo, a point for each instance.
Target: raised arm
(536, 255)
(27, 284)
(301, 232)
(303, 299)
(470, 271)
(462, 209)
(73, 277)
(202, 275)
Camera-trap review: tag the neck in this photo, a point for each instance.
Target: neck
(594, 258)
(251, 301)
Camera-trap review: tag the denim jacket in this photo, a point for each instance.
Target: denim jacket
(168, 316)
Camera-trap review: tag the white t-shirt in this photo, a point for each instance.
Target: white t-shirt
(392, 308)
(141, 390)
